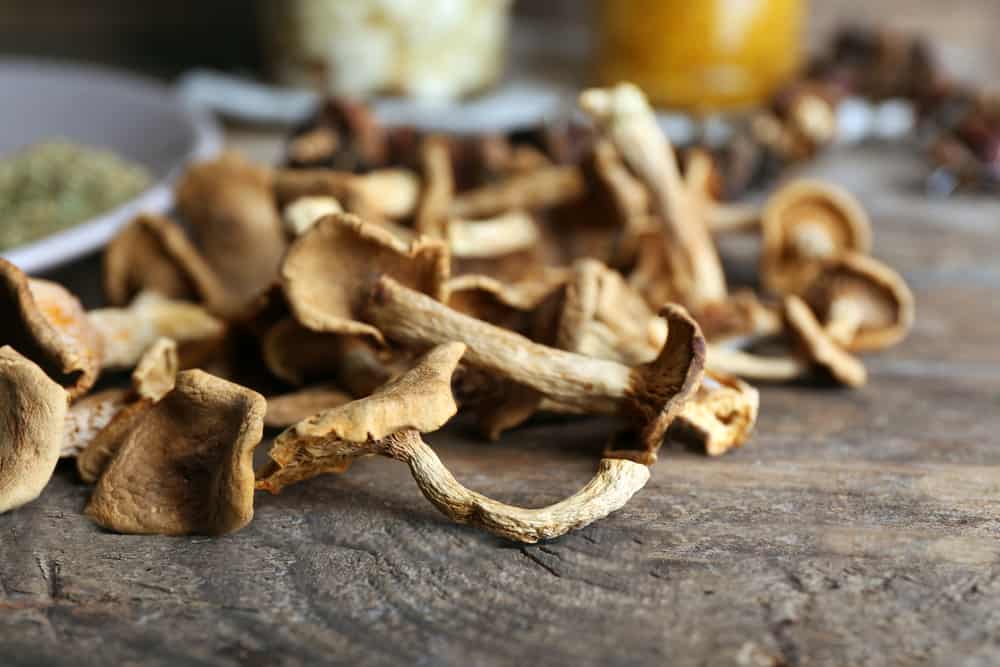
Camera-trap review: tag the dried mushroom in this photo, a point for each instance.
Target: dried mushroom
(88, 417)
(128, 332)
(863, 304)
(303, 213)
(651, 393)
(722, 414)
(31, 431)
(623, 114)
(541, 188)
(186, 464)
(433, 211)
(286, 409)
(816, 344)
(502, 235)
(156, 372)
(805, 223)
(387, 193)
(327, 270)
(153, 254)
(47, 324)
(230, 205)
(389, 423)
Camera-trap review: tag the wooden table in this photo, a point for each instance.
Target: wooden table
(858, 527)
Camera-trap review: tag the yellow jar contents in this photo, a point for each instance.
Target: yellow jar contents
(701, 55)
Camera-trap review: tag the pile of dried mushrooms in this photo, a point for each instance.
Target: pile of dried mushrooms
(371, 300)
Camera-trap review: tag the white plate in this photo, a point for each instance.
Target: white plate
(139, 119)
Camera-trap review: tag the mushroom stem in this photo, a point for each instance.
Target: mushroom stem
(494, 237)
(593, 385)
(540, 188)
(846, 317)
(653, 393)
(724, 218)
(754, 367)
(625, 116)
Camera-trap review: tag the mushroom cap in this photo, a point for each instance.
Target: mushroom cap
(31, 432)
(876, 293)
(804, 222)
(741, 316)
(101, 447)
(47, 324)
(152, 253)
(296, 354)
(419, 399)
(722, 414)
(660, 389)
(231, 207)
(186, 464)
(327, 269)
(516, 306)
(816, 345)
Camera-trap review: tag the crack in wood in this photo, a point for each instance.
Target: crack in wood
(540, 562)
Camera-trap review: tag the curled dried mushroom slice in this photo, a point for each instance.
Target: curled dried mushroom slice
(651, 394)
(804, 223)
(128, 332)
(327, 270)
(153, 254)
(230, 205)
(155, 374)
(389, 424)
(190, 457)
(31, 431)
(47, 324)
(863, 304)
(87, 417)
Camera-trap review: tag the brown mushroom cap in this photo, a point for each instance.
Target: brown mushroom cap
(419, 399)
(155, 374)
(327, 269)
(804, 223)
(231, 206)
(722, 414)
(31, 431)
(186, 465)
(47, 324)
(816, 345)
(152, 253)
(866, 296)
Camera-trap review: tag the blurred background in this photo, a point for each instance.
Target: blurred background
(166, 38)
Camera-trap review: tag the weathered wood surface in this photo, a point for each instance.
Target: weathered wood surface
(856, 528)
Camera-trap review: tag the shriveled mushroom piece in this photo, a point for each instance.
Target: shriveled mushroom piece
(231, 207)
(327, 270)
(623, 114)
(153, 254)
(652, 394)
(303, 213)
(541, 188)
(389, 424)
(804, 223)
(382, 193)
(863, 304)
(155, 374)
(47, 324)
(186, 464)
(128, 332)
(721, 416)
(87, 417)
(31, 428)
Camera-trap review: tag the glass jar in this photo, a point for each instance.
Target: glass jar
(429, 49)
(701, 55)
